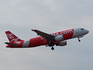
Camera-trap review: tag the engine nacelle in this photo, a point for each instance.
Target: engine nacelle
(59, 38)
(62, 43)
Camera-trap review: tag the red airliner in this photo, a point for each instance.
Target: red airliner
(58, 38)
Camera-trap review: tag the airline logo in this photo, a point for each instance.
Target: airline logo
(15, 40)
(63, 32)
(12, 37)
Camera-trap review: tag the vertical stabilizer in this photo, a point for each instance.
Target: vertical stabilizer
(11, 37)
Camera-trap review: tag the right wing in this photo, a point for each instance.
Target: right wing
(48, 37)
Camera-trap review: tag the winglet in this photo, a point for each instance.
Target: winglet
(32, 29)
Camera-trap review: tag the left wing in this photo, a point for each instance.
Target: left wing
(48, 37)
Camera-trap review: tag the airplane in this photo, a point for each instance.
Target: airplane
(58, 38)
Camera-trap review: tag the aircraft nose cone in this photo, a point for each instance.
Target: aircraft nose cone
(87, 31)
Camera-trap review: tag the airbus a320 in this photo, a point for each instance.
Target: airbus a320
(58, 38)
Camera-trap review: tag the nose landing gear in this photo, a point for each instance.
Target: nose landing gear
(79, 39)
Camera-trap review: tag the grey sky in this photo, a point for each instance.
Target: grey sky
(20, 16)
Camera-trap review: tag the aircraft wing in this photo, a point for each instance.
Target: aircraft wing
(48, 37)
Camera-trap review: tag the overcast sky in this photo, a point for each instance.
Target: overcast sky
(20, 16)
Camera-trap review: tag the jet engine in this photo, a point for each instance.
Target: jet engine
(59, 38)
(62, 43)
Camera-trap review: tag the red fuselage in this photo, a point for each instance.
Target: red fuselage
(38, 41)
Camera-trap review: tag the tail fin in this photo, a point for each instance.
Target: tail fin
(11, 37)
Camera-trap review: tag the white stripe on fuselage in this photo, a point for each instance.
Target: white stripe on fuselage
(26, 44)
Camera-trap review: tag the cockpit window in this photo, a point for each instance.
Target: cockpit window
(82, 28)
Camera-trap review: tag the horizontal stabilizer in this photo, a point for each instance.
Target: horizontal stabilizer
(11, 44)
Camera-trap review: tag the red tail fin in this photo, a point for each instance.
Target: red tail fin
(12, 37)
